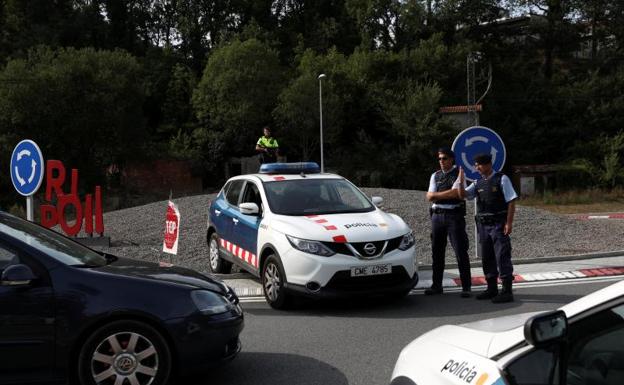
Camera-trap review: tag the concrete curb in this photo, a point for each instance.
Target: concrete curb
(523, 261)
(534, 277)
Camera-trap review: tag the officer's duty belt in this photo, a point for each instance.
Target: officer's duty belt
(491, 219)
(456, 210)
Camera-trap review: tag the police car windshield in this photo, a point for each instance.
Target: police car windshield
(315, 196)
(51, 243)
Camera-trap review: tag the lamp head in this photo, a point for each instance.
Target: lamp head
(321, 76)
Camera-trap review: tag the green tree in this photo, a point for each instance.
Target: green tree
(558, 35)
(83, 107)
(379, 108)
(27, 23)
(201, 25)
(403, 89)
(178, 117)
(604, 167)
(318, 25)
(388, 24)
(177, 108)
(603, 25)
(297, 111)
(237, 92)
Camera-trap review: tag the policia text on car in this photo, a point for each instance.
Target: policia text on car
(447, 220)
(495, 213)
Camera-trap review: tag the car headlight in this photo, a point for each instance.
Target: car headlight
(407, 241)
(312, 247)
(210, 303)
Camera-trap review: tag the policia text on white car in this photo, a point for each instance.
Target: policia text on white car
(579, 344)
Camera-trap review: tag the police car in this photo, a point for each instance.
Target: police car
(582, 343)
(309, 233)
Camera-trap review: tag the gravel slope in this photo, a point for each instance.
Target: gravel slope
(138, 232)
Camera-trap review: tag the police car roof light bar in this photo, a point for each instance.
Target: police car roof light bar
(290, 168)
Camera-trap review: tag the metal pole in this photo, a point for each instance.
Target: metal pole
(476, 233)
(472, 109)
(320, 78)
(30, 208)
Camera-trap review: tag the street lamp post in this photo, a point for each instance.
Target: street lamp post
(320, 78)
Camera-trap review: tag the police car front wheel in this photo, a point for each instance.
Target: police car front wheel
(217, 264)
(273, 279)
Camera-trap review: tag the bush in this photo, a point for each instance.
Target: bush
(83, 107)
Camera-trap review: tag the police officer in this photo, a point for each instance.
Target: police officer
(496, 207)
(268, 147)
(447, 220)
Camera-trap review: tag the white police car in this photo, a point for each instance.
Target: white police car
(309, 233)
(580, 344)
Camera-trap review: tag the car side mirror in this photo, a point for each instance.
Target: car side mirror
(17, 275)
(377, 200)
(546, 328)
(249, 208)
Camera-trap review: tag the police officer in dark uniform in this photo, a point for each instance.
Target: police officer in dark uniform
(496, 207)
(447, 220)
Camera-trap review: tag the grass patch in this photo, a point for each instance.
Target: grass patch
(578, 201)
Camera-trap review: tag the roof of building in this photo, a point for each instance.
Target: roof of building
(460, 109)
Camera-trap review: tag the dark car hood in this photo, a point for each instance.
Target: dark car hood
(173, 274)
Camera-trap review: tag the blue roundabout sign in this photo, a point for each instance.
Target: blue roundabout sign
(478, 140)
(27, 167)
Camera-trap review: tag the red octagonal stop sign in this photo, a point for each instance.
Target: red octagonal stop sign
(172, 225)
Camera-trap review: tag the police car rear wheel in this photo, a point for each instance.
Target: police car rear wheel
(273, 279)
(217, 264)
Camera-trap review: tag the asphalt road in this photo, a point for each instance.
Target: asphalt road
(358, 342)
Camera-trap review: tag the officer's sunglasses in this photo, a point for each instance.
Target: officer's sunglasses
(443, 158)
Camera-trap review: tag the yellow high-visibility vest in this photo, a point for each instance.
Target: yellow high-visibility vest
(267, 142)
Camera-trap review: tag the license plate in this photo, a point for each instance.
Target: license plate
(361, 271)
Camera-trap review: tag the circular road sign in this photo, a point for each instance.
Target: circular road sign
(478, 140)
(27, 167)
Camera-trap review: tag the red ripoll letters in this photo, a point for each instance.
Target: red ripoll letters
(51, 215)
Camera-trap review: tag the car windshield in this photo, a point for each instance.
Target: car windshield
(51, 243)
(315, 197)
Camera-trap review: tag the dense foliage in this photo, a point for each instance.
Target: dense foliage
(102, 82)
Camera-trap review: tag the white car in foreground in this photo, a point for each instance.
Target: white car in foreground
(309, 233)
(580, 344)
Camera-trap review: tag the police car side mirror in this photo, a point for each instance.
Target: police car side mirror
(17, 275)
(249, 208)
(377, 200)
(546, 328)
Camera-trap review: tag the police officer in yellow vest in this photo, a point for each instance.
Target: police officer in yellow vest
(268, 147)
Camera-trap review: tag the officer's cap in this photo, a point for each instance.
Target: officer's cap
(446, 151)
(483, 158)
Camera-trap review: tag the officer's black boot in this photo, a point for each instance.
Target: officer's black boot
(491, 291)
(433, 290)
(505, 295)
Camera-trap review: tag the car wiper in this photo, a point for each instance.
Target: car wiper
(110, 258)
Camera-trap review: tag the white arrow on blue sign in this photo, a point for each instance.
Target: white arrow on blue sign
(27, 167)
(478, 140)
